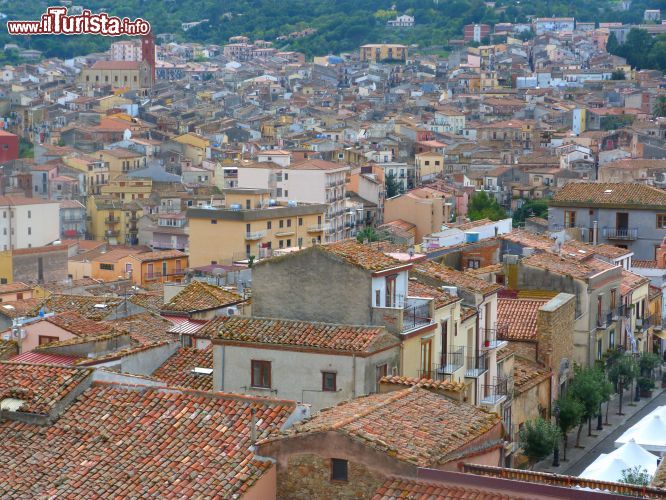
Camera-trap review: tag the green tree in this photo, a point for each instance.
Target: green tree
(611, 44)
(636, 475)
(481, 206)
(606, 390)
(369, 234)
(537, 439)
(586, 389)
(622, 372)
(392, 185)
(618, 74)
(660, 107)
(531, 208)
(570, 415)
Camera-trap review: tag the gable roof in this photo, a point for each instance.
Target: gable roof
(441, 298)
(412, 425)
(283, 332)
(177, 370)
(200, 296)
(452, 277)
(399, 488)
(360, 255)
(74, 323)
(593, 194)
(141, 442)
(40, 387)
(581, 270)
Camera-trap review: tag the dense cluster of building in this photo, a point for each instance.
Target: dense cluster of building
(226, 271)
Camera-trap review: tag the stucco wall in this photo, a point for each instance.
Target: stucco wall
(312, 286)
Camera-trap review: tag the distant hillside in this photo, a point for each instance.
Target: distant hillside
(341, 25)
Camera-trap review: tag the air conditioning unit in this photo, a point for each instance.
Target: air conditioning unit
(451, 290)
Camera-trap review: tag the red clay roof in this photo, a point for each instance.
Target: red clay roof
(415, 489)
(116, 65)
(520, 318)
(200, 296)
(177, 370)
(360, 255)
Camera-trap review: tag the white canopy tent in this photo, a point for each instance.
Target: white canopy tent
(609, 467)
(649, 432)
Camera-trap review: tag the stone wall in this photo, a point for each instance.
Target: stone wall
(555, 327)
(26, 266)
(312, 286)
(525, 349)
(309, 476)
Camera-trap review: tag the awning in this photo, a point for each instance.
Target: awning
(661, 334)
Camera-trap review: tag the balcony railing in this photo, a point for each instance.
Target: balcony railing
(415, 316)
(605, 319)
(318, 228)
(255, 235)
(476, 365)
(449, 362)
(620, 233)
(158, 275)
(495, 393)
(492, 337)
(112, 233)
(112, 220)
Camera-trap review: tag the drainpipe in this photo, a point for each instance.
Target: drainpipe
(353, 375)
(594, 232)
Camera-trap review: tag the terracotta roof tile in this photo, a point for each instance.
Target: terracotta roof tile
(86, 305)
(177, 370)
(451, 277)
(360, 255)
(199, 296)
(139, 442)
(609, 194)
(143, 328)
(519, 317)
(413, 425)
(631, 281)
(41, 387)
(441, 298)
(25, 307)
(414, 489)
(426, 383)
(582, 270)
(344, 338)
(527, 374)
(74, 323)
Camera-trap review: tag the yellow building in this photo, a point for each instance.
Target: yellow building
(128, 188)
(378, 52)
(112, 101)
(194, 147)
(429, 165)
(113, 220)
(251, 225)
(95, 170)
(121, 160)
(131, 75)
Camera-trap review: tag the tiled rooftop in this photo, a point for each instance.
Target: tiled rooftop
(344, 338)
(24, 307)
(144, 328)
(360, 255)
(582, 270)
(412, 425)
(74, 323)
(199, 296)
(441, 298)
(631, 281)
(120, 442)
(177, 370)
(414, 489)
(87, 306)
(433, 385)
(527, 374)
(41, 387)
(609, 194)
(152, 301)
(520, 317)
(451, 277)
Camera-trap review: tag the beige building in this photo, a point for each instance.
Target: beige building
(252, 224)
(128, 188)
(429, 165)
(378, 52)
(131, 75)
(96, 171)
(120, 160)
(423, 207)
(309, 181)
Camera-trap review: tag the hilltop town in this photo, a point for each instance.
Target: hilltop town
(236, 271)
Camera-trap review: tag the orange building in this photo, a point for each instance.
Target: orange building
(155, 267)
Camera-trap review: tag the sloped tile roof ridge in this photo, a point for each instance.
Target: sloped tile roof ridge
(396, 396)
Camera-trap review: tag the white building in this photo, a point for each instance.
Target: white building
(554, 24)
(126, 50)
(309, 181)
(28, 222)
(403, 21)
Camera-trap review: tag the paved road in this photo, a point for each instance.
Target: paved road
(607, 445)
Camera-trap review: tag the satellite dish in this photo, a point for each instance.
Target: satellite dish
(127, 134)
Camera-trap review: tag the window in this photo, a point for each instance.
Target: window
(247, 228)
(106, 267)
(288, 222)
(473, 263)
(269, 225)
(46, 339)
(248, 204)
(569, 218)
(611, 339)
(300, 221)
(281, 223)
(261, 374)
(19, 296)
(286, 176)
(29, 214)
(661, 221)
(288, 243)
(300, 242)
(339, 469)
(281, 243)
(29, 231)
(328, 381)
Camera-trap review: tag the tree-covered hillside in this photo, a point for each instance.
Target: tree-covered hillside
(341, 25)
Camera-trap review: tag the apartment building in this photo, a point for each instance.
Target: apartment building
(127, 188)
(631, 216)
(426, 208)
(121, 161)
(254, 224)
(113, 220)
(94, 172)
(307, 180)
(28, 222)
(378, 52)
(72, 219)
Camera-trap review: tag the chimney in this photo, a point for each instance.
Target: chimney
(595, 229)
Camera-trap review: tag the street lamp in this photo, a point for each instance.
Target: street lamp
(556, 450)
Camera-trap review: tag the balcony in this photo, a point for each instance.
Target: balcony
(112, 220)
(176, 275)
(255, 235)
(318, 228)
(476, 365)
(449, 363)
(605, 319)
(492, 337)
(620, 312)
(112, 233)
(415, 316)
(496, 393)
(620, 233)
